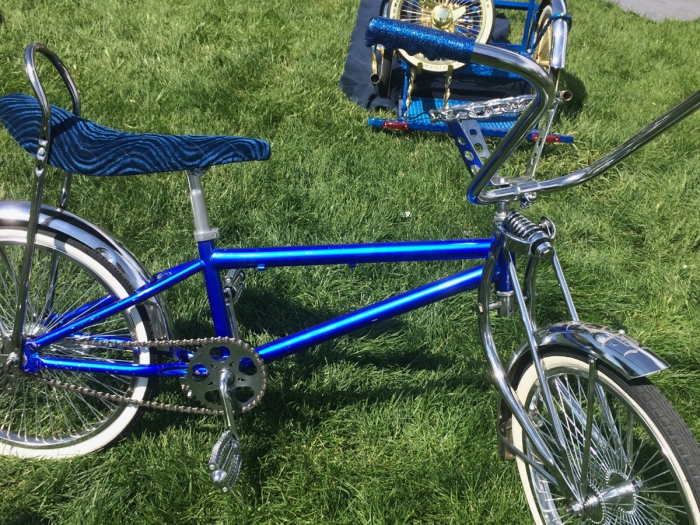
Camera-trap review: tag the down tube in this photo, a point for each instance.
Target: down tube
(411, 300)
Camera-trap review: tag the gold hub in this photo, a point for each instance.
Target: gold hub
(442, 16)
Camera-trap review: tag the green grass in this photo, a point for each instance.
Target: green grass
(395, 424)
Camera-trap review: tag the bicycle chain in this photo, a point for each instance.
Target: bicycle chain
(143, 403)
(481, 110)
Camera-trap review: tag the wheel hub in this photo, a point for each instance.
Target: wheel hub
(442, 16)
(619, 492)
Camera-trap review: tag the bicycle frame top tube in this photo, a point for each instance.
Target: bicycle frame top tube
(215, 260)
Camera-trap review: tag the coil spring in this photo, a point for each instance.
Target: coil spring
(522, 227)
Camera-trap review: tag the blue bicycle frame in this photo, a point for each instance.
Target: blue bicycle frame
(213, 260)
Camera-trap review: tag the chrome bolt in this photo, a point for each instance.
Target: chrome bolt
(544, 250)
(41, 154)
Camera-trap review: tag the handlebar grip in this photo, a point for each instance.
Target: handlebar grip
(434, 44)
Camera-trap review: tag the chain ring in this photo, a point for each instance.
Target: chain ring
(241, 360)
(165, 344)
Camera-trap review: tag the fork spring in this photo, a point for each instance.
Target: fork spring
(522, 227)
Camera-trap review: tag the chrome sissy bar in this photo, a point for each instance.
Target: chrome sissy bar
(42, 156)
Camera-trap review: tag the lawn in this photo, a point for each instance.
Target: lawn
(395, 424)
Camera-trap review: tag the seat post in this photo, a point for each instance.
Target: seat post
(202, 231)
(205, 235)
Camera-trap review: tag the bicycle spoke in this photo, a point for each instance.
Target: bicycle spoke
(629, 479)
(39, 415)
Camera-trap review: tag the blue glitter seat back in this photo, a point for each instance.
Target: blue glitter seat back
(81, 146)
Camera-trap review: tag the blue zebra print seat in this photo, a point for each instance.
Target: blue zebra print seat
(81, 146)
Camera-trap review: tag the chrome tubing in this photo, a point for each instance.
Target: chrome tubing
(42, 156)
(678, 113)
(560, 34)
(30, 69)
(533, 73)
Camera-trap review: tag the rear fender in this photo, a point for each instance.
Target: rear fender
(53, 220)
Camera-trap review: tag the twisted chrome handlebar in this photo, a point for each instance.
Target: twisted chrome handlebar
(682, 110)
(394, 34)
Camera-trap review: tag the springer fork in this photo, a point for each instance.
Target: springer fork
(516, 235)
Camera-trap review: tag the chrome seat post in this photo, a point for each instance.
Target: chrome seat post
(202, 230)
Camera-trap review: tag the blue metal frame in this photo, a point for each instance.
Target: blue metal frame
(212, 261)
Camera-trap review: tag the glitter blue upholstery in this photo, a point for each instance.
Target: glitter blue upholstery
(81, 146)
(413, 38)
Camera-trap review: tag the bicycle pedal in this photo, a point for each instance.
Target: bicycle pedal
(225, 461)
(233, 284)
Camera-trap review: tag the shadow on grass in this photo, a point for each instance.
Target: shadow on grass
(270, 314)
(25, 517)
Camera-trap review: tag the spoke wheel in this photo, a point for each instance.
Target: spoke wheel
(38, 420)
(470, 18)
(644, 463)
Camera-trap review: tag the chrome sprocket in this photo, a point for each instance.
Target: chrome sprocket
(241, 360)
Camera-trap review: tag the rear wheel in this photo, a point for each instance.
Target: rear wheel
(644, 464)
(38, 420)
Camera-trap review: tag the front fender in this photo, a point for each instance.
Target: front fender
(618, 351)
(614, 348)
(53, 220)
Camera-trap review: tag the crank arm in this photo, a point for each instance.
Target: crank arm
(225, 459)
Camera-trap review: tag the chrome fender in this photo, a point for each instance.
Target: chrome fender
(615, 349)
(53, 220)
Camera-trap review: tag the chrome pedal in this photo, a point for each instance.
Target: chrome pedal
(233, 284)
(225, 461)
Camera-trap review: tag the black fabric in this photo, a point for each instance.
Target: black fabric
(356, 84)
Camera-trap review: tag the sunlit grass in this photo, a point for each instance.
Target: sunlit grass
(395, 424)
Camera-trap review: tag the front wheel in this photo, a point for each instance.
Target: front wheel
(45, 421)
(644, 463)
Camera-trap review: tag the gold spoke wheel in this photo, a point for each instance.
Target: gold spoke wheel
(470, 18)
